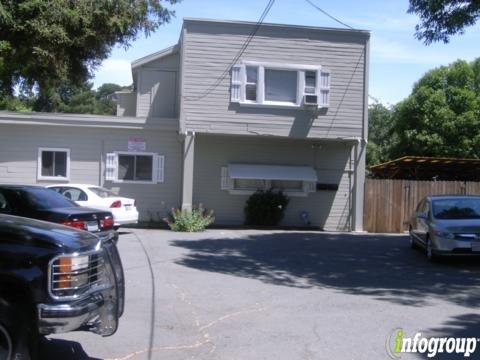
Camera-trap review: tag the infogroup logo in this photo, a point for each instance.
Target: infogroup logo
(398, 343)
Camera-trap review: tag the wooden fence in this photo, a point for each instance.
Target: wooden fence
(390, 203)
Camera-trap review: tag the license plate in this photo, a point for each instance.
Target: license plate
(92, 226)
(475, 246)
(128, 207)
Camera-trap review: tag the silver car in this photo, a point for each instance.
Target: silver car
(447, 225)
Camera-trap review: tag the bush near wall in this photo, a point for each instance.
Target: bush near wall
(193, 220)
(266, 208)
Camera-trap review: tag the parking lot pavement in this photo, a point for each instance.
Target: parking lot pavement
(278, 295)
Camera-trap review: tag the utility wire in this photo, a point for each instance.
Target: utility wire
(238, 55)
(327, 14)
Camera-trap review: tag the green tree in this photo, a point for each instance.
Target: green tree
(71, 98)
(440, 19)
(84, 99)
(379, 133)
(442, 115)
(105, 104)
(44, 43)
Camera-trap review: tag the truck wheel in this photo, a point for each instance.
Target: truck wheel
(13, 333)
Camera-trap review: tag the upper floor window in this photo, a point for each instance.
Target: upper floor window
(283, 85)
(251, 83)
(53, 164)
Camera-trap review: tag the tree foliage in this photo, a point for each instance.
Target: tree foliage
(380, 122)
(45, 43)
(440, 19)
(442, 115)
(70, 98)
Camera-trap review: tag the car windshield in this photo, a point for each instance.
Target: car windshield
(43, 199)
(449, 209)
(102, 192)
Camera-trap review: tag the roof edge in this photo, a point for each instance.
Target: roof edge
(155, 56)
(291, 26)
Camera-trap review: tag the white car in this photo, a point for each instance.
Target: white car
(124, 210)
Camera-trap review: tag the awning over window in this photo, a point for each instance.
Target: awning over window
(272, 172)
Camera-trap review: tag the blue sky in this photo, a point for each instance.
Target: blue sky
(397, 59)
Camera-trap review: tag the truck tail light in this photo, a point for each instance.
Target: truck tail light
(107, 223)
(77, 224)
(134, 203)
(116, 204)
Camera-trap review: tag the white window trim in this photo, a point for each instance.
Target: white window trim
(133, 153)
(300, 69)
(39, 164)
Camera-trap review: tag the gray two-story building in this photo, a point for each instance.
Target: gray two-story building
(230, 109)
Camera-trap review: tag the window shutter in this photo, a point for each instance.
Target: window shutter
(160, 168)
(309, 186)
(236, 85)
(111, 166)
(324, 100)
(227, 183)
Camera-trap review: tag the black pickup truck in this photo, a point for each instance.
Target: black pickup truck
(55, 279)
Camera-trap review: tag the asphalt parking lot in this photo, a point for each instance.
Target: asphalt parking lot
(278, 295)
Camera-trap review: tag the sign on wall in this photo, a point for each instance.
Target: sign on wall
(136, 143)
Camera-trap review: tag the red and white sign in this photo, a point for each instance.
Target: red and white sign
(136, 143)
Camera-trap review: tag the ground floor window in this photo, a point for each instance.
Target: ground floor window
(287, 185)
(241, 186)
(53, 164)
(135, 167)
(249, 184)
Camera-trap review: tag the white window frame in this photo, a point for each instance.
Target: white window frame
(154, 179)
(261, 102)
(39, 164)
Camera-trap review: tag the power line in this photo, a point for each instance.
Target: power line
(239, 53)
(327, 14)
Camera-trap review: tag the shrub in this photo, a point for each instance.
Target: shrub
(193, 220)
(265, 208)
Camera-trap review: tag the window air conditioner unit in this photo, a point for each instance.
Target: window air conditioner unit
(310, 100)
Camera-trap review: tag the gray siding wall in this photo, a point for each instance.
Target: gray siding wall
(18, 160)
(327, 209)
(157, 88)
(126, 104)
(208, 49)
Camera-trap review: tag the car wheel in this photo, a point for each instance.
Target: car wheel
(413, 245)
(429, 250)
(14, 332)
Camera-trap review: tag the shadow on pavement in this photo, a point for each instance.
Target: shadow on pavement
(380, 266)
(460, 326)
(62, 349)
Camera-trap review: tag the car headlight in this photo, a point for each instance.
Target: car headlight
(445, 235)
(73, 275)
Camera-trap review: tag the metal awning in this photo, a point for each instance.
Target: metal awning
(272, 172)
